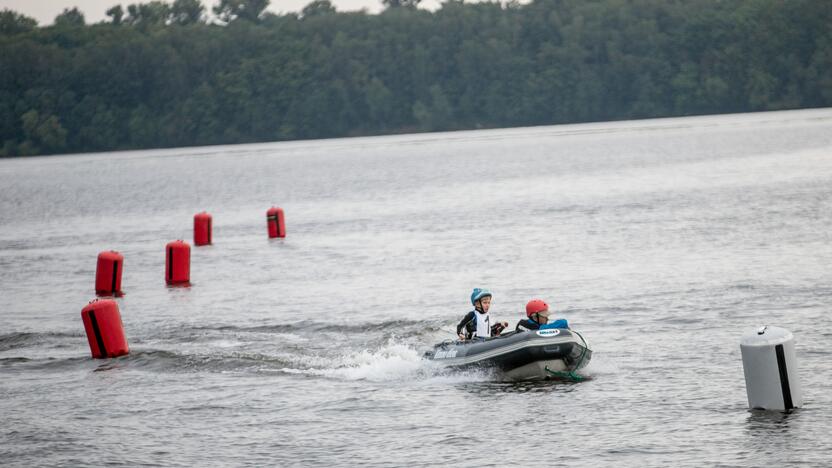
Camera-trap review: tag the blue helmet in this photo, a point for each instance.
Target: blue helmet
(479, 294)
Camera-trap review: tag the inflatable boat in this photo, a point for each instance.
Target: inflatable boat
(554, 353)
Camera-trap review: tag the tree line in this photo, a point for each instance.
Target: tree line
(170, 74)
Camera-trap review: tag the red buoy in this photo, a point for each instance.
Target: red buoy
(202, 229)
(276, 222)
(105, 332)
(178, 264)
(108, 273)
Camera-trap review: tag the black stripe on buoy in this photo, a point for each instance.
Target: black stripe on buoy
(209, 231)
(170, 264)
(784, 377)
(115, 275)
(97, 333)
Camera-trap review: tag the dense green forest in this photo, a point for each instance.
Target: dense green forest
(174, 74)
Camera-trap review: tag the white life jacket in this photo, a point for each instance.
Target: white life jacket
(483, 324)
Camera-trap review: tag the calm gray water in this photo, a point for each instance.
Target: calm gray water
(664, 241)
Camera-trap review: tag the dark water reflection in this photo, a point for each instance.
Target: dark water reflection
(490, 388)
(762, 422)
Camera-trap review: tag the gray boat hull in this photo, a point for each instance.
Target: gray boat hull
(527, 355)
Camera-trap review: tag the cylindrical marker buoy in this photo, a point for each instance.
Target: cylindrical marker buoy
(770, 367)
(202, 229)
(178, 262)
(108, 273)
(276, 222)
(105, 332)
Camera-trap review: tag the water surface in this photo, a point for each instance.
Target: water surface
(663, 241)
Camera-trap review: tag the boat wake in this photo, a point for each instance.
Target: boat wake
(395, 361)
(379, 352)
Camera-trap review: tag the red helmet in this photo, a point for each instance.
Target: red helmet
(534, 306)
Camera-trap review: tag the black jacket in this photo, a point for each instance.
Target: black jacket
(527, 324)
(469, 324)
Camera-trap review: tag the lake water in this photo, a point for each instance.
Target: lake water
(663, 241)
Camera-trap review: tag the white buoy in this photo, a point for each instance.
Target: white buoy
(770, 367)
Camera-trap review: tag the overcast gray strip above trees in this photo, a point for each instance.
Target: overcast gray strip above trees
(174, 74)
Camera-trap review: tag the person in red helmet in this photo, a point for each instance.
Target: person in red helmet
(537, 313)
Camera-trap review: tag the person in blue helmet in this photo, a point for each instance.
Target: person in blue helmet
(477, 323)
